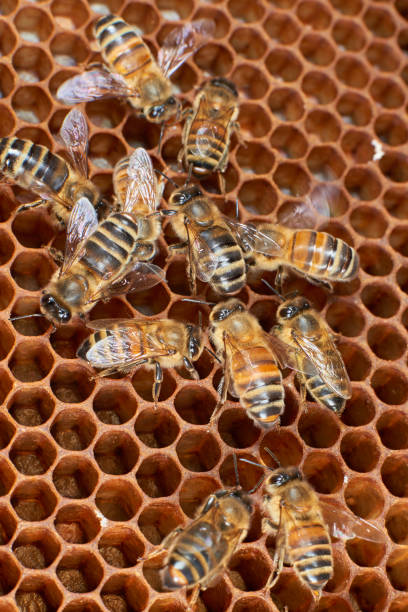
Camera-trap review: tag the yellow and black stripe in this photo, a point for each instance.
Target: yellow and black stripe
(230, 273)
(121, 179)
(310, 552)
(206, 148)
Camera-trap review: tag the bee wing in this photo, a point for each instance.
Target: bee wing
(284, 353)
(204, 260)
(344, 525)
(93, 85)
(83, 220)
(74, 133)
(138, 277)
(251, 238)
(182, 42)
(306, 214)
(245, 354)
(142, 181)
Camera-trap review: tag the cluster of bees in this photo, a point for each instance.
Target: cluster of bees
(109, 251)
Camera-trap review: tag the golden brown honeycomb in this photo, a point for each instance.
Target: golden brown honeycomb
(91, 476)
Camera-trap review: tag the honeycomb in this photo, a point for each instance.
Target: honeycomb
(92, 477)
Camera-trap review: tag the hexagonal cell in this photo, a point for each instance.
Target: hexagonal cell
(31, 104)
(314, 14)
(30, 361)
(317, 50)
(68, 49)
(31, 407)
(323, 471)
(38, 592)
(142, 382)
(291, 593)
(397, 239)
(141, 15)
(359, 408)
(254, 158)
(368, 222)
(138, 133)
(66, 340)
(118, 499)
(7, 201)
(249, 570)
(379, 21)
(387, 92)
(386, 342)
(286, 104)
(215, 60)
(324, 125)
(247, 604)
(79, 571)
(114, 404)
(31, 64)
(325, 163)
(292, 179)
(248, 43)
(354, 108)
(36, 548)
(33, 24)
(77, 524)
(32, 453)
(396, 202)
(283, 65)
(352, 72)
(73, 430)
(105, 150)
(392, 428)
(7, 38)
(362, 184)
(237, 429)
(31, 271)
(151, 301)
(397, 566)
(124, 592)
(120, 547)
(31, 326)
(390, 385)
(8, 525)
(394, 166)
(116, 453)
(165, 604)
(348, 35)
(71, 383)
(364, 497)
(360, 451)
(194, 404)
(250, 82)
(345, 318)
(254, 120)
(105, 114)
(319, 87)
(285, 445)
(158, 476)
(382, 56)
(396, 523)
(6, 384)
(289, 141)
(75, 477)
(241, 11)
(374, 260)
(156, 521)
(318, 427)
(70, 14)
(380, 299)
(282, 28)
(356, 360)
(394, 474)
(359, 146)
(114, 308)
(156, 428)
(33, 500)
(194, 491)
(198, 451)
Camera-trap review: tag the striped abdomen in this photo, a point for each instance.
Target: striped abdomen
(310, 552)
(196, 553)
(230, 273)
(91, 341)
(137, 344)
(30, 164)
(322, 393)
(121, 180)
(206, 146)
(259, 387)
(322, 255)
(121, 47)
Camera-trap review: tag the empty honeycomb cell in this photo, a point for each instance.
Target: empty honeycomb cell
(151, 301)
(33, 24)
(32, 453)
(387, 92)
(398, 239)
(250, 81)
(286, 104)
(249, 475)
(75, 477)
(241, 11)
(382, 56)
(116, 453)
(33, 500)
(379, 22)
(216, 60)
(138, 133)
(317, 50)
(114, 405)
(115, 308)
(194, 491)
(394, 473)
(77, 523)
(237, 429)
(402, 279)
(36, 548)
(70, 14)
(79, 571)
(395, 167)
(314, 14)
(31, 64)
(254, 120)
(31, 407)
(66, 340)
(7, 38)
(323, 125)
(380, 299)
(194, 404)
(334, 604)
(356, 360)
(283, 65)
(68, 49)
(365, 553)
(352, 72)
(30, 361)
(254, 158)
(7, 6)
(325, 163)
(142, 382)
(289, 141)
(284, 445)
(105, 114)
(354, 109)
(7, 121)
(73, 430)
(291, 594)
(396, 523)
(7, 431)
(217, 598)
(211, 183)
(141, 15)
(400, 604)
(164, 604)
(103, 7)
(345, 318)
(386, 342)
(362, 184)
(105, 150)
(156, 521)
(370, 223)
(292, 179)
(31, 271)
(319, 87)
(8, 525)
(71, 383)
(391, 129)
(341, 575)
(118, 500)
(282, 28)
(120, 547)
(258, 197)
(392, 427)
(397, 569)
(33, 229)
(348, 35)
(359, 451)
(318, 427)
(158, 476)
(38, 592)
(9, 573)
(390, 385)
(323, 471)
(198, 451)
(359, 146)
(249, 570)
(124, 592)
(374, 260)
(363, 496)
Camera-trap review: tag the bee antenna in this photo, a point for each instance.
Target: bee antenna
(197, 301)
(212, 353)
(190, 172)
(265, 282)
(166, 177)
(162, 128)
(35, 314)
(253, 463)
(258, 484)
(274, 457)
(236, 208)
(234, 458)
(200, 319)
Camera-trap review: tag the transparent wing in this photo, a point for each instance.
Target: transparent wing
(121, 351)
(138, 277)
(74, 133)
(182, 42)
(142, 182)
(26, 180)
(93, 85)
(203, 258)
(251, 238)
(83, 220)
(344, 525)
(305, 214)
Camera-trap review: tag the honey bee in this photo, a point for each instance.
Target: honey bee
(131, 71)
(208, 127)
(200, 551)
(58, 184)
(303, 523)
(309, 348)
(106, 258)
(318, 256)
(250, 366)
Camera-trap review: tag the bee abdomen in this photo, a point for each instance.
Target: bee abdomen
(121, 179)
(205, 153)
(230, 273)
(322, 255)
(313, 560)
(91, 341)
(323, 394)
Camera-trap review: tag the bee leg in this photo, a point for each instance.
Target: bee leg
(40, 202)
(193, 599)
(221, 183)
(190, 368)
(237, 129)
(278, 559)
(180, 156)
(158, 379)
(321, 283)
(55, 254)
(281, 276)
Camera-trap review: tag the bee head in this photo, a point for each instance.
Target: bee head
(292, 307)
(185, 194)
(164, 110)
(195, 341)
(282, 476)
(53, 310)
(222, 311)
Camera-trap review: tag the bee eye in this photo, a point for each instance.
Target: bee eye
(171, 100)
(305, 305)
